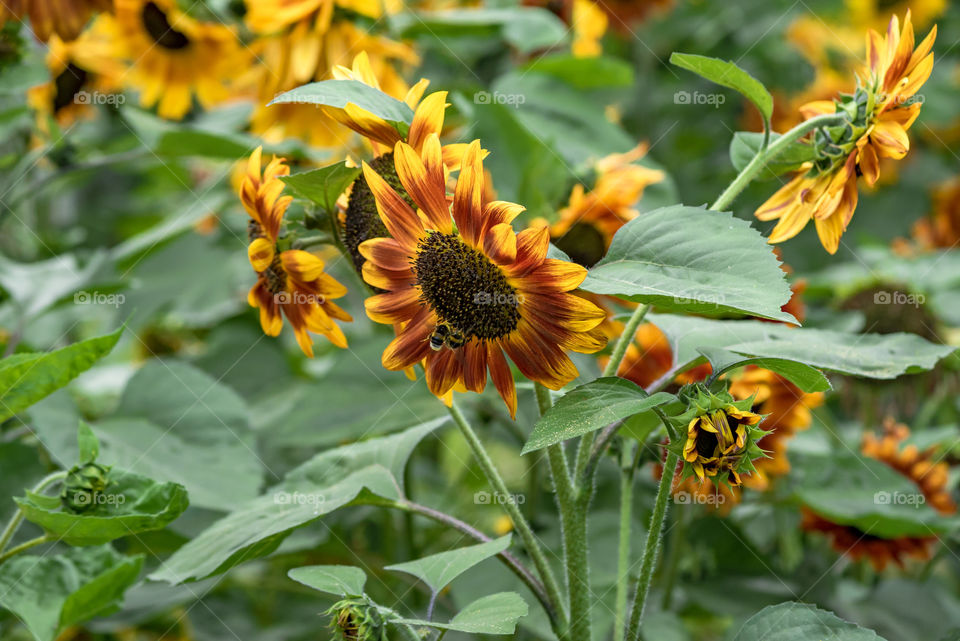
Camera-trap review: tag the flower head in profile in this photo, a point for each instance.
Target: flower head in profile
(466, 290)
(877, 116)
(291, 282)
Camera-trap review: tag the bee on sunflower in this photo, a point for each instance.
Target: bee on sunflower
(290, 282)
(929, 476)
(64, 18)
(496, 287)
(878, 115)
(175, 57)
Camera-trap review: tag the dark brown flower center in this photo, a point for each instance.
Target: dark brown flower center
(157, 24)
(275, 276)
(465, 288)
(707, 444)
(67, 85)
(583, 243)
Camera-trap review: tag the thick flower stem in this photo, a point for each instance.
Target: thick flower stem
(573, 506)
(17, 517)
(628, 466)
(758, 162)
(519, 522)
(24, 546)
(652, 546)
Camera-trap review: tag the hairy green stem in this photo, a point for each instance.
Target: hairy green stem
(24, 546)
(628, 465)
(17, 517)
(652, 546)
(759, 161)
(520, 523)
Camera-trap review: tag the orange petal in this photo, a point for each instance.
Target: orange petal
(393, 307)
(400, 220)
(427, 119)
(829, 230)
(869, 164)
(411, 345)
(386, 253)
(500, 244)
(784, 198)
(532, 246)
(555, 276)
(468, 197)
(890, 139)
(261, 253)
(427, 189)
(502, 377)
(474, 365)
(444, 370)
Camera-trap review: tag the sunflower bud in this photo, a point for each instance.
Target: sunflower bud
(718, 435)
(357, 619)
(82, 486)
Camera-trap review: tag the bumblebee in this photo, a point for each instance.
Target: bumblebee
(446, 334)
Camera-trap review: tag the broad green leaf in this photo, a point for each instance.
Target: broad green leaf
(38, 285)
(693, 260)
(584, 73)
(176, 423)
(494, 614)
(341, 580)
(794, 621)
(27, 378)
(745, 145)
(438, 570)
(22, 469)
(360, 473)
(868, 495)
(525, 28)
(51, 593)
(88, 444)
(193, 142)
(807, 378)
(590, 407)
(130, 504)
(323, 186)
(727, 74)
(340, 93)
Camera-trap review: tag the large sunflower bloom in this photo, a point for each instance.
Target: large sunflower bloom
(494, 287)
(930, 479)
(175, 57)
(64, 18)
(880, 115)
(290, 283)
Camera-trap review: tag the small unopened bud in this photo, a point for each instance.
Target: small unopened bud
(82, 487)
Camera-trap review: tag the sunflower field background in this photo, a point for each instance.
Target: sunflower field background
(540, 319)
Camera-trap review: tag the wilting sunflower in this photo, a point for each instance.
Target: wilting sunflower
(290, 283)
(587, 224)
(931, 480)
(465, 297)
(717, 442)
(83, 72)
(175, 57)
(878, 115)
(65, 18)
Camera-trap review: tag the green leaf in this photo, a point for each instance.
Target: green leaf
(27, 378)
(590, 407)
(340, 93)
(51, 593)
(807, 378)
(727, 74)
(794, 621)
(438, 570)
(746, 144)
(494, 614)
(88, 444)
(584, 73)
(194, 142)
(38, 285)
(525, 28)
(693, 260)
(130, 504)
(323, 186)
(341, 580)
(358, 473)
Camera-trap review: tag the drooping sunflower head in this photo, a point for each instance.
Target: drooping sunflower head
(290, 282)
(357, 619)
(175, 57)
(466, 289)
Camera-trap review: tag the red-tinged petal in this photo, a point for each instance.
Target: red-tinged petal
(335, 311)
(890, 139)
(386, 253)
(412, 344)
(566, 310)
(499, 211)
(427, 191)
(502, 377)
(468, 196)
(901, 56)
(555, 276)
(270, 319)
(921, 51)
(875, 51)
(365, 123)
(903, 116)
(537, 359)
(782, 200)
(919, 75)
(532, 246)
(869, 164)
(304, 340)
(791, 223)
(386, 279)
(393, 307)
(427, 119)
(261, 253)
(444, 370)
(500, 244)
(474, 365)
(400, 220)
(453, 155)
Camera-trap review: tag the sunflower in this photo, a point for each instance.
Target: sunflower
(942, 229)
(290, 283)
(872, 13)
(82, 72)
(930, 479)
(480, 291)
(878, 115)
(587, 224)
(64, 18)
(718, 441)
(175, 57)
(649, 357)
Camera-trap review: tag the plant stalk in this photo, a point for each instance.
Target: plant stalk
(628, 467)
(17, 517)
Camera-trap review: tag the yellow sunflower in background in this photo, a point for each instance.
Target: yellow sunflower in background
(290, 283)
(941, 230)
(63, 18)
(650, 356)
(83, 72)
(873, 13)
(174, 57)
(466, 298)
(931, 480)
(880, 114)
